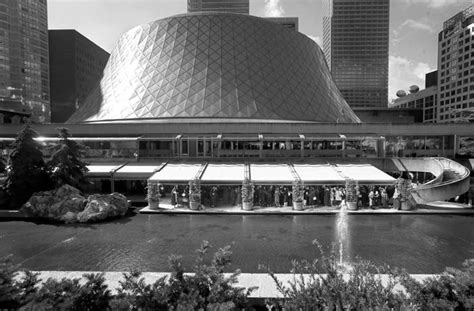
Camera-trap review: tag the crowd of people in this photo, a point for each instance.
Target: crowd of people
(368, 196)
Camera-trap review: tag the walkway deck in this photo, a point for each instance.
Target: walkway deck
(434, 208)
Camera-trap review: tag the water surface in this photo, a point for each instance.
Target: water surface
(419, 243)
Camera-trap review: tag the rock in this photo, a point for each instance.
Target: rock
(102, 206)
(66, 204)
(55, 204)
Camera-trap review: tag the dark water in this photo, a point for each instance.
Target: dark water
(419, 243)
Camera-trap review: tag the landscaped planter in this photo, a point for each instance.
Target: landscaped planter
(194, 206)
(247, 206)
(153, 204)
(298, 206)
(351, 206)
(405, 206)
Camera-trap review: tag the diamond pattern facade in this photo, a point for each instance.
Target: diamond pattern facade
(216, 65)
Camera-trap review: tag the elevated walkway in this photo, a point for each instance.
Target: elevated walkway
(451, 178)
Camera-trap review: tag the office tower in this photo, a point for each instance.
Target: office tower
(232, 6)
(288, 22)
(456, 68)
(355, 40)
(76, 66)
(24, 55)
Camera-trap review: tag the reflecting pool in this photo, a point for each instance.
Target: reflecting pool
(419, 243)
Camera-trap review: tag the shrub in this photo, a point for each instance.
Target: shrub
(13, 293)
(207, 288)
(358, 287)
(452, 290)
(71, 295)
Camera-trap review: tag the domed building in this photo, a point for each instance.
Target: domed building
(216, 66)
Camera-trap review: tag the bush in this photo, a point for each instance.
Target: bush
(14, 294)
(358, 287)
(452, 290)
(207, 288)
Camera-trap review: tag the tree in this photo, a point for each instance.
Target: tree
(66, 165)
(26, 170)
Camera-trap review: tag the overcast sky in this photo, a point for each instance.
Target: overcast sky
(414, 26)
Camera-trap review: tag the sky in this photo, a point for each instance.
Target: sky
(414, 26)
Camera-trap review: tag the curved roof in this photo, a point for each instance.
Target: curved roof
(216, 65)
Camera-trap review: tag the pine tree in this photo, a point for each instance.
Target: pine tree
(26, 172)
(66, 165)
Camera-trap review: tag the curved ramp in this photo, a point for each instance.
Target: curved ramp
(451, 178)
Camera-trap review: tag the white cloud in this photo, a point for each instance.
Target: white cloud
(433, 3)
(403, 73)
(316, 39)
(417, 25)
(273, 8)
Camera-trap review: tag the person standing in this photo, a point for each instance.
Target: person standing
(277, 196)
(174, 196)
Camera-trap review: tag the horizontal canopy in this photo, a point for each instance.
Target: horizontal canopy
(223, 174)
(137, 171)
(365, 173)
(102, 170)
(271, 173)
(176, 173)
(318, 174)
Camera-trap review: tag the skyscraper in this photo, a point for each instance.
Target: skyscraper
(24, 56)
(232, 6)
(76, 66)
(355, 40)
(456, 67)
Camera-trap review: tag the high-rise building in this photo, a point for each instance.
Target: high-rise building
(355, 40)
(24, 56)
(232, 6)
(287, 22)
(456, 67)
(76, 66)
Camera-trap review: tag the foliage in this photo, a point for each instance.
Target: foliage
(195, 190)
(66, 164)
(452, 290)
(3, 164)
(26, 170)
(358, 287)
(153, 191)
(15, 293)
(207, 289)
(247, 190)
(71, 295)
(351, 190)
(298, 190)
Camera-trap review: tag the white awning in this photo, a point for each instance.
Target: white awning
(223, 174)
(318, 174)
(137, 171)
(365, 173)
(176, 173)
(271, 173)
(102, 170)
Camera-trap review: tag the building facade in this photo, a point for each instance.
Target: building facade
(424, 99)
(231, 67)
(231, 6)
(356, 42)
(24, 64)
(456, 67)
(287, 22)
(76, 66)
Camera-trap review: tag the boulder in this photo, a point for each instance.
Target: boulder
(66, 204)
(56, 203)
(102, 206)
